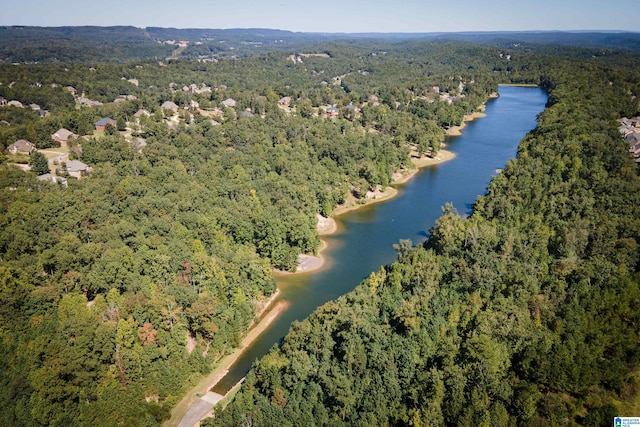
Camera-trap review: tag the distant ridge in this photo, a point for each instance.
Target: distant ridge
(125, 43)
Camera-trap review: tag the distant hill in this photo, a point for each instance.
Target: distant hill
(586, 39)
(124, 43)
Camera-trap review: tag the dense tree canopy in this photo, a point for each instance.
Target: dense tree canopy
(119, 290)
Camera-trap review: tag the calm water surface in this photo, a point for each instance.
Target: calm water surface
(365, 239)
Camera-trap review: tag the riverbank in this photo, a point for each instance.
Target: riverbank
(327, 226)
(457, 130)
(402, 177)
(223, 365)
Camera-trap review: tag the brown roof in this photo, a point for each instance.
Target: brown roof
(141, 112)
(64, 134)
(22, 145)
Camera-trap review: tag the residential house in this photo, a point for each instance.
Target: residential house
(285, 101)
(104, 122)
(3, 102)
(229, 102)
(71, 89)
(141, 112)
(34, 107)
(62, 136)
(77, 169)
(632, 138)
(625, 130)
(21, 146)
(123, 98)
(52, 178)
(15, 104)
(168, 105)
(88, 102)
(332, 111)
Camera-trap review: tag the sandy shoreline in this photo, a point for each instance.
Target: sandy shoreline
(327, 226)
(457, 130)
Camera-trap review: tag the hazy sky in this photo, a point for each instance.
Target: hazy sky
(332, 16)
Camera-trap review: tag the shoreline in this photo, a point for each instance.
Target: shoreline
(328, 226)
(457, 130)
(267, 314)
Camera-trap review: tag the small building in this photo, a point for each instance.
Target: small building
(71, 89)
(63, 136)
(169, 105)
(3, 102)
(34, 107)
(15, 104)
(104, 122)
(77, 169)
(21, 146)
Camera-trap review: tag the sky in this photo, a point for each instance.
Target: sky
(345, 16)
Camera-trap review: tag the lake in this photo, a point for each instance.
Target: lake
(365, 237)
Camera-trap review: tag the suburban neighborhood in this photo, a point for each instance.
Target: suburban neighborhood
(630, 130)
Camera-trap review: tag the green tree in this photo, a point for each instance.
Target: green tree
(39, 163)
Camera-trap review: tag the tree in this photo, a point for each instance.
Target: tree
(39, 163)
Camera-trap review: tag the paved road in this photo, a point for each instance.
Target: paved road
(200, 408)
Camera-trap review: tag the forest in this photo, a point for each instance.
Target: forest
(120, 289)
(525, 313)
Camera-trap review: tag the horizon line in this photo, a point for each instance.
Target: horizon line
(325, 32)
